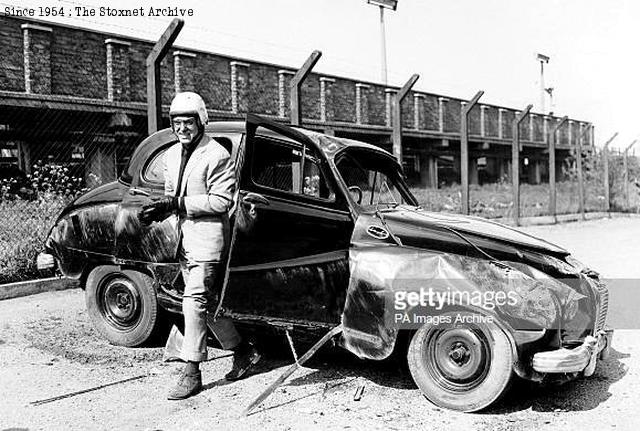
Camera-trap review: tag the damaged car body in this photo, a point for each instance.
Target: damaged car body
(326, 232)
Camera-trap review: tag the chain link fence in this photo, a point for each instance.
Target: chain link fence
(495, 200)
(51, 156)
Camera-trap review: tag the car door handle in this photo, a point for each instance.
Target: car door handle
(254, 198)
(138, 192)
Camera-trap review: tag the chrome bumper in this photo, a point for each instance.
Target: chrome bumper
(580, 359)
(45, 261)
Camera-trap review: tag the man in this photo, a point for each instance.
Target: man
(199, 188)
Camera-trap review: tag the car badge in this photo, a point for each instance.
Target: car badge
(377, 232)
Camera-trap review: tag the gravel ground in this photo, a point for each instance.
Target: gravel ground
(49, 348)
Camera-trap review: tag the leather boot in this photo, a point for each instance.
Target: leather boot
(243, 360)
(188, 385)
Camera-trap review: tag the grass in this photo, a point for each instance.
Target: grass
(496, 200)
(23, 228)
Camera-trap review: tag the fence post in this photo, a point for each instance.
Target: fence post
(625, 162)
(296, 84)
(396, 137)
(515, 162)
(605, 161)
(464, 150)
(154, 86)
(552, 168)
(580, 175)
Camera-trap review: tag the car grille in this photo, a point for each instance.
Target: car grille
(603, 304)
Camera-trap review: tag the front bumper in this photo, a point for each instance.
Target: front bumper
(580, 359)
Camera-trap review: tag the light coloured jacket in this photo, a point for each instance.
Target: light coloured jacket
(208, 186)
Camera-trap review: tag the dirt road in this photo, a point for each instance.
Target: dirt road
(49, 348)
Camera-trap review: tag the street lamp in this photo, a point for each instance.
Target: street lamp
(542, 59)
(383, 4)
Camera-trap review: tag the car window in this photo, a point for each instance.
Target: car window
(290, 168)
(372, 180)
(154, 171)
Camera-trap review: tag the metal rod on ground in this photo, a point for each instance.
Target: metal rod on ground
(515, 162)
(293, 368)
(154, 86)
(295, 110)
(605, 162)
(84, 391)
(293, 349)
(464, 150)
(552, 168)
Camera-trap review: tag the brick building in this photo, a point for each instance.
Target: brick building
(76, 96)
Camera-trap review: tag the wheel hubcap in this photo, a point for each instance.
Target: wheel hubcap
(458, 357)
(120, 302)
(460, 353)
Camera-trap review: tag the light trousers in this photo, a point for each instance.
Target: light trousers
(199, 297)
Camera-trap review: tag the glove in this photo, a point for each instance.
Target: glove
(158, 210)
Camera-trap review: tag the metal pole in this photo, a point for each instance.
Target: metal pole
(296, 84)
(154, 86)
(580, 176)
(383, 47)
(605, 161)
(542, 107)
(464, 150)
(625, 162)
(396, 137)
(552, 168)
(515, 162)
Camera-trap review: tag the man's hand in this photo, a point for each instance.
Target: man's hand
(158, 210)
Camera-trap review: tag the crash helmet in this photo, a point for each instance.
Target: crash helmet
(189, 103)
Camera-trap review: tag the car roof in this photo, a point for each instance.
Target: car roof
(330, 145)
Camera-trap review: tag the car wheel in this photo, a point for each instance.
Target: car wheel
(461, 366)
(122, 305)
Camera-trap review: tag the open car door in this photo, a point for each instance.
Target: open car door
(289, 254)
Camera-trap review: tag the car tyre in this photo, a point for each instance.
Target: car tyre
(461, 366)
(123, 305)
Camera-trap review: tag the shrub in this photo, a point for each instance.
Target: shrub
(27, 217)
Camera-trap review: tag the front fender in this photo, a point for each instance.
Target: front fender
(390, 285)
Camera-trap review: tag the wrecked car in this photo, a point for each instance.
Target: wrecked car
(327, 232)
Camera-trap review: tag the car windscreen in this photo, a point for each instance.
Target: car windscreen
(373, 180)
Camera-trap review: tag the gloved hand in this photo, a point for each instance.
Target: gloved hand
(158, 210)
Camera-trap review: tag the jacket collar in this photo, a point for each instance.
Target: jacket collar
(193, 161)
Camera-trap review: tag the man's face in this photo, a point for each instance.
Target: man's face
(186, 128)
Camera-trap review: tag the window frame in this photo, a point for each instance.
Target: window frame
(160, 152)
(146, 182)
(302, 148)
(397, 171)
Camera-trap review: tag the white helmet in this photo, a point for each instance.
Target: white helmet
(189, 103)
